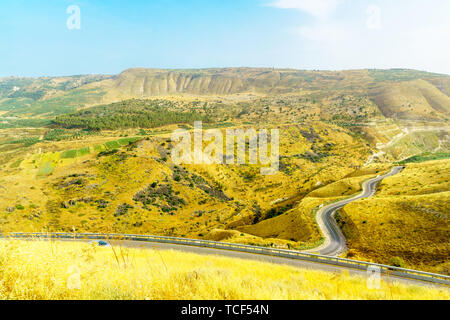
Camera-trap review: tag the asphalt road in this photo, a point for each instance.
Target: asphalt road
(335, 242)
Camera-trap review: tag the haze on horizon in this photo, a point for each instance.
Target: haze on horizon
(168, 34)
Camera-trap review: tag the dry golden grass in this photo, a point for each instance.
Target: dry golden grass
(419, 178)
(117, 180)
(408, 218)
(299, 224)
(344, 187)
(417, 99)
(64, 270)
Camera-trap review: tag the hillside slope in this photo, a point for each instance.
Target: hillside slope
(397, 93)
(406, 223)
(48, 95)
(417, 99)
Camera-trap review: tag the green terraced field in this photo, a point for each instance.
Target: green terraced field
(16, 164)
(99, 148)
(110, 145)
(426, 157)
(115, 144)
(83, 151)
(46, 168)
(69, 154)
(127, 141)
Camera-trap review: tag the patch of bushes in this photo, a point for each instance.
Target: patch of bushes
(397, 262)
(107, 153)
(122, 209)
(164, 194)
(275, 212)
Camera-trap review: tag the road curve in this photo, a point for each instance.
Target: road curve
(335, 242)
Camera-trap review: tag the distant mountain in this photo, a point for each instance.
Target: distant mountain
(48, 95)
(398, 93)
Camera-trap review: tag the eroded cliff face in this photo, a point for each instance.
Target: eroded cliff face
(154, 82)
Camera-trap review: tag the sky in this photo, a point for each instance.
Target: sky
(68, 37)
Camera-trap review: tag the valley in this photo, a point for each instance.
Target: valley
(93, 154)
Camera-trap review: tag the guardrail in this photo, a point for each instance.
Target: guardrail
(354, 264)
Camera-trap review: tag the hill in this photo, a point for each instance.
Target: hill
(407, 220)
(92, 153)
(101, 182)
(397, 93)
(49, 95)
(411, 100)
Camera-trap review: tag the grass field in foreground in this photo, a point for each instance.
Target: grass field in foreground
(59, 270)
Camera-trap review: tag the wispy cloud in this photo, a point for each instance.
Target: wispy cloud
(369, 33)
(318, 8)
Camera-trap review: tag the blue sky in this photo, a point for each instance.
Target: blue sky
(303, 34)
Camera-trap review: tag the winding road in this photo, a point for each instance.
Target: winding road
(335, 242)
